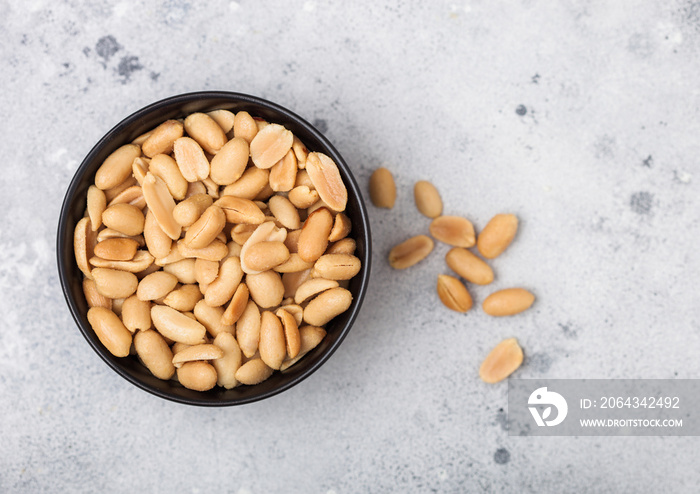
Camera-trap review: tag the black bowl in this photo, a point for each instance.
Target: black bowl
(74, 206)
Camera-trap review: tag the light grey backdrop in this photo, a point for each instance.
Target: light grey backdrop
(579, 116)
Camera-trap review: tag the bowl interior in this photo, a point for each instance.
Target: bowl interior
(74, 207)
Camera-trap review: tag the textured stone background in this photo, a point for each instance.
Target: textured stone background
(579, 116)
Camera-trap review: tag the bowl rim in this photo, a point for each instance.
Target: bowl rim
(110, 137)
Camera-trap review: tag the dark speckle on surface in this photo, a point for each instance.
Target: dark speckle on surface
(569, 331)
(536, 79)
(107, 46)
(540, 362)
(502, 419)
(521, 110)
(501, 456)
(321, 125)
(641, 202)
(155, 76)
(127, 66)
(648, 161)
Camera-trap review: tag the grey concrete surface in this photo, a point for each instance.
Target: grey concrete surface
(582, 117)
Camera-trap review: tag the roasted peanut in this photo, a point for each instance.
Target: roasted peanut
(337, 266)
(284, 173)
(272, 344)
(469, 266)
(325, 175)
(222, 288)
(263, 256)
(238, 210)
(96, 204)
(113, 283)
(117, 249)
(341, 228)
(212, 318)
(208, 134)
(156, 285)
(507, 302)
(249, 185)
(266, 288)
(453, 293)
(427, 199)
(230, 162)
(190, 159)
(161, 203)
(453, 230)
(84, 240)
(117, 167)
(124, 218)
(227, 365)
(235, 309)
(497, 235)
(503, 360)
(311, 288)
(166, 168)
(253, 371)
(410, 252)
(136, 314)
(142, 260)
(205, 351)
(270, 145)
(327, 305)
(285, 212)
(310, 337)
(93, 297)
(313, 239)
(382, 188)
(182, 270)
(162, 138)
(184, 298)
(244, 126)
(198, 376)
(177, 326)
(248, 329)
(157, 241)
(154, 353)
(303, 197)
(206, 228)
(224, 118)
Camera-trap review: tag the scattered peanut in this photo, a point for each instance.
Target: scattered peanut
(503, 360)
(382, 188)
(508, 302)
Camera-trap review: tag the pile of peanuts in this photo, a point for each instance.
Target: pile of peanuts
(216, 249)
(459, 233)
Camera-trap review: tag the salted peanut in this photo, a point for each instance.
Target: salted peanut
(313, 287)
(161, 203)
(266, 288)
(141, 260)
(142, 138)
(248, 329)
(117, 167)
(503, 360)
(292, 309)
(205, 271)
(139, 168)
(197, 376)
(272, 346)
(453, 293)
(96, 204)
(313, 239)
(469, 266)
(177, 346)
(303, 179)
(251, 183)
(136, 314)
(284, 173)
(156, 285)
(84, 245)
(211, 318)
(241, 233)
(117, 249)
(110, 331)
(344, 246)
(327, 305)
(212, 187)
(266, 255)
(497, 235)
(115, 191)
(157, 241)
(145, 272)
(107, 233)
(215, 251)
(292, 281)
(195, 188)
(165, 167)
(325, 175)
(190, 159)
(113, 283)
(230, 162)
(318, 205)
(133, 195)
(227, 365)
(240, 211)
(204, 129)
(235, 309)
(285, 212)
(124, 218)
(292, 241)
(223, 118)
(222, 288)
(163, 138)
(300, 151)
(173, 256)
(206, 228)
(336, 267)
(266, 232)
(508, 302)
(410, 252)
(195, 353)
(253, 371)
(293, 265)
(183, 270)
(310, 337)
(244, 126)
(303, 197)
(93, 297)
(270, 145)
(184, 298)
(453, 230)
(341, 228)
(234, 249)
(176, 326)
(427, 199)
(155, 354)
(190, 210)
(382, 188)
